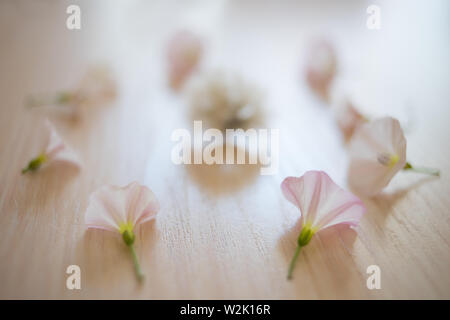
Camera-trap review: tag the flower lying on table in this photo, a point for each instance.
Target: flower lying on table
(378, 152)
(321, 68)
(55, 150)
(96, 87)
(348, 119)
(121, 209)
(322, 204)
(185, 50)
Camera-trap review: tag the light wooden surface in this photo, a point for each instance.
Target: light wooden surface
(230, 237)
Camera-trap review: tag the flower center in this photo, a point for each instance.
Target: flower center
(126, 230)
(126, 227)
(387, 159)
(306, 234)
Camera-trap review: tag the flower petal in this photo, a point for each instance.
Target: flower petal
(322, 202)
(141, 205)
(57, 150)
(112, 206)
(348, 119)
(321, 67)
(367, 174)
(184, 52)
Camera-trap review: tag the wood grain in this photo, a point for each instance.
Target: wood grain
(215, 238)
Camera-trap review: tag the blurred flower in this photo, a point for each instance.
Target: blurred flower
(348, 119)
(185, 50)
(378, 152)
(321, 68)
(96, 87)
(322, 204)
(225, 101)
(121, 209)
(55, 150)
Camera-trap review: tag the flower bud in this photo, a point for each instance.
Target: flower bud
(128, 237)
(35, 163)
(305, 236)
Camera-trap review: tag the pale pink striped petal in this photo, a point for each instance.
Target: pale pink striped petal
(322, 203)
(112, 206)
(372, 146)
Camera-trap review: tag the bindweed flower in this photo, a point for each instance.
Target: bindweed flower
(348, 119)
(322, 204)
(321, 68)
(377, 153)
(121, 210)
(54, 150)
(185, 50)
(97, 86)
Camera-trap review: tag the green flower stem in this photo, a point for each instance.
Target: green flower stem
(35, 163)
(128, 237)
(430, 171)
(137, 267)
(293, 261)
(60, 98)
(303, 239)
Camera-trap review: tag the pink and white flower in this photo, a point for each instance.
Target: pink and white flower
(54, 150)
(96, 87)
(348, 119)
(322, 204)
(185, 50)
(377, 153)
(121, 210)
(321, 68)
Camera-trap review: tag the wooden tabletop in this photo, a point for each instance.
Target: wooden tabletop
(222, 234)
